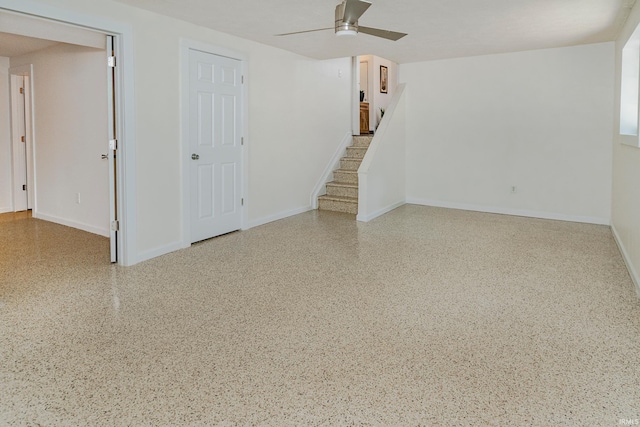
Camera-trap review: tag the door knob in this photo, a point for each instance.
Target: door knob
(195, 156)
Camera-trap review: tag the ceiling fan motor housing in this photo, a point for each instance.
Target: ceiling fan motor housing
(343, 27)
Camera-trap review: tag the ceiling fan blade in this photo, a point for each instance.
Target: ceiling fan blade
(301, 32)
(385, 34)
(353, 10)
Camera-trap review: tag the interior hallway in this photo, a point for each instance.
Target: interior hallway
(424, 316)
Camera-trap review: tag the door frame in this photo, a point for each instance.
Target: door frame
(15, 73)
(125, 109)
(355, 95)
(185, 46)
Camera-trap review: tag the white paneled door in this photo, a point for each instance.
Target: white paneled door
(19, 135)
(215, 94)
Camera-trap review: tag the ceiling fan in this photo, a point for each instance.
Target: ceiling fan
(347, 14)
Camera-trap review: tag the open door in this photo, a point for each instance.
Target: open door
(111, 157)
(21, 138)
(19, 143)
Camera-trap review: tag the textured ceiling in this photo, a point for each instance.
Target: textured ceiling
(437, 29)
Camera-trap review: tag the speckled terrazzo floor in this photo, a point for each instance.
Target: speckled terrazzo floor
(422, 317)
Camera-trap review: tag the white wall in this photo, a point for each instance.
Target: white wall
(539, 120)
(298, 116)
(299, 110)
(6, 204)
(376, 99)
(626, 172)
(382, 100)
(381, 176)
(70, 118)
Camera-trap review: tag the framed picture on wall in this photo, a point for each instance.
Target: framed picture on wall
(384, 79)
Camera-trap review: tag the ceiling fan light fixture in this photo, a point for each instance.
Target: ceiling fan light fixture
(344, 28)
(350, 32)
(346, 24)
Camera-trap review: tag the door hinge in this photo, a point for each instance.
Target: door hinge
(242, 140)
(242, 202)
(113, 144)
(22, 91)
(24, 187)
(111, 61)
(242, 79)
(22, 139)
(115, 225)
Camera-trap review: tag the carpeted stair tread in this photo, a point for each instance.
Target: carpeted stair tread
(339, 199)
(342, 194)
(342, 184)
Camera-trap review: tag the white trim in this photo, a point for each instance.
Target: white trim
(6, 210)
(160, 251)
(184, 143)
(510, 211)
(126, 119)
(102, 231)
(27, 71)
(279, 216)
(245, 148)
(19, 203)
(380, 212)
(126, 165)
(186, 43)
(629, 140)
(355, 95)
(185, 46)
(320, 188)
(30, 132)
(635, 278)
(629, 94)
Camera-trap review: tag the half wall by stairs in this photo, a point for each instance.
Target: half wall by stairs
(342, 192)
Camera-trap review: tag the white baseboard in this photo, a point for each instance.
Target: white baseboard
(627, 260)
(380, 212)
(162, 250)
(510, 211)
(102, 231)
(176, 246)
(5, 210)
(276, 217)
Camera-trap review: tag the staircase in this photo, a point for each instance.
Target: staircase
(342, 192)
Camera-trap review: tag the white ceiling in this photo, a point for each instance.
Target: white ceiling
(437, 29)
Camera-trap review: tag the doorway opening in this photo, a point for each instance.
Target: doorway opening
(21, 138)
(68, 159)
(377, 80)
